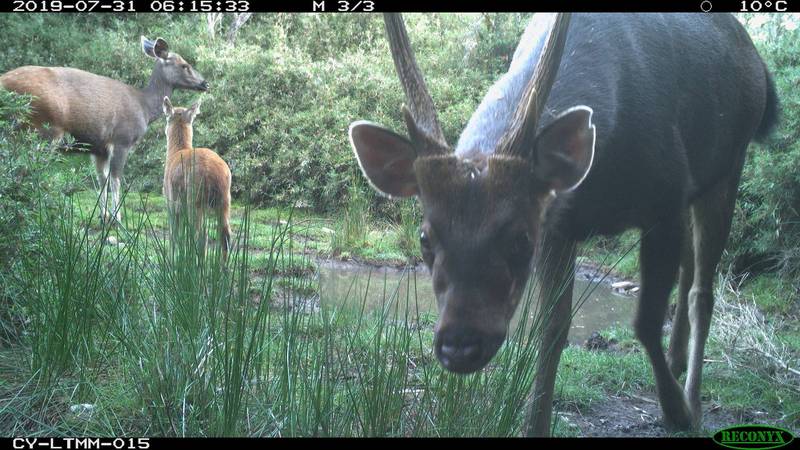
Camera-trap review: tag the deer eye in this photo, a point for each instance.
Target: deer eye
(426, 247)
(424, 241)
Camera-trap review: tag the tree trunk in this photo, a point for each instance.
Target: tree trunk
(212, 19)
(239, 20)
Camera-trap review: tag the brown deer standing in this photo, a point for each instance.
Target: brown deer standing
(106, 115)
(674, 99)
(196, 175)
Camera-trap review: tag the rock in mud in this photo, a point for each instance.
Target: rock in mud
(625, 287)
(82, 410)
(597, 342)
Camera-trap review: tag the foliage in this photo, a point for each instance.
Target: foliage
(767, 222)
(29, 183)
(283, 96)
(351, 229)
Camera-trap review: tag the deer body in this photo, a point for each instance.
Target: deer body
(603, 123)
(95, 110)
(196, 175)
(106, 116)
(658, 128)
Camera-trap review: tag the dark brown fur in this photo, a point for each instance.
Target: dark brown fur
(646, 126)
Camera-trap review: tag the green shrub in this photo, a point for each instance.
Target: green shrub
(29, 182)
(283, 97)
(767, 221)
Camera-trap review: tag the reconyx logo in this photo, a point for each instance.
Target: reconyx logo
(746, 437)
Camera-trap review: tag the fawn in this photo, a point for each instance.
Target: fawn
(196, 176)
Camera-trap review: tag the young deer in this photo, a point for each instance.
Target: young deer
(627, 121)
(105, 114)
(195, 177)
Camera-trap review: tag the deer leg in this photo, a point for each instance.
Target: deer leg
(659, 259)
(118, 158)
(174, 218)
(679, 338)
(557, 263)
(102, 167)
(712, 214)
(224, 231)
(116, 208)
(224, 237)
(52, 134)
(201, 234)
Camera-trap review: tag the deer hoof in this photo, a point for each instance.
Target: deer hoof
(679, 421)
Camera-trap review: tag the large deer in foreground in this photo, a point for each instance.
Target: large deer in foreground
(105, 114)
(603, 123)
(196, 179)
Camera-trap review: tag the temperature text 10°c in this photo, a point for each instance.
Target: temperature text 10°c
(764, 5)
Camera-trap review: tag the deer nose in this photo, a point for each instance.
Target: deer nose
(460, 350)
(204, 85)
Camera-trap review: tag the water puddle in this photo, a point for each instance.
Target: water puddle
(598, 306)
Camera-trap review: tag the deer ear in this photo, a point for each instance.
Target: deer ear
(386, 158)
(167, 105)
(160, 48)
(564, 150)
(147, 47)
(193, 111)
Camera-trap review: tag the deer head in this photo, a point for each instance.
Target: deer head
(179, 129)
(172, 69)
(481, 212)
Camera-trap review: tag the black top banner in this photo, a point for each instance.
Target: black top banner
(367, 6)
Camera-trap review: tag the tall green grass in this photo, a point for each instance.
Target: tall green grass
(408, 228)
(351, 227)
(165, 340)
(163, 337)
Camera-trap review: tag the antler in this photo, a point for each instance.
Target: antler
(420, 115)
(519, 137)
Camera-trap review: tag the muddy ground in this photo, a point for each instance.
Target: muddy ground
(641, 417)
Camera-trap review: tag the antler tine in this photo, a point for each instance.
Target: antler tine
(520, 135)
(420, 115)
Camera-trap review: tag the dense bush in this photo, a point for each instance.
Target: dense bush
(28, 182)
(283, 97)
(25, 174)
(767, 226)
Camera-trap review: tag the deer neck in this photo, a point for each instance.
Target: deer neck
(153, 95)
(179, 137)
(494, 115)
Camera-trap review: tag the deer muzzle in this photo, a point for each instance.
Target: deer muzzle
(466, 349)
